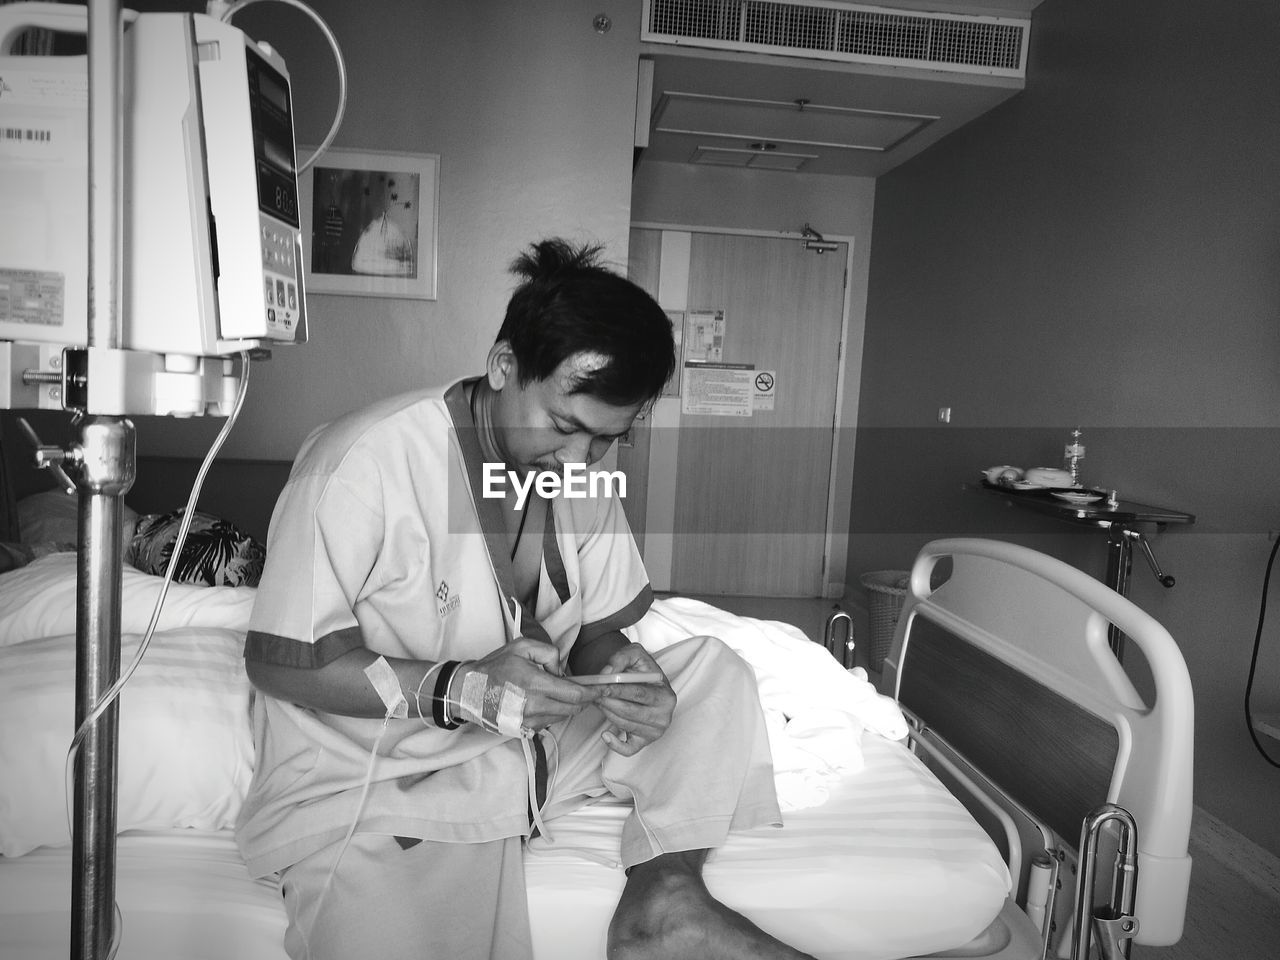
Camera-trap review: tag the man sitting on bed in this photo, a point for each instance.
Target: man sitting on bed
(402, 574)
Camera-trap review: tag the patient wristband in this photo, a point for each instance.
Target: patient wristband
(440, 713)
(444, 672)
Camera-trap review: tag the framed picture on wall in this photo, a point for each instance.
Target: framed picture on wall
(369, 223)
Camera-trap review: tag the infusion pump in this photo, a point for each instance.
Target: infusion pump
(210, 252)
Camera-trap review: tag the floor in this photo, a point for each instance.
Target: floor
(1229, 916)
(1232, 914)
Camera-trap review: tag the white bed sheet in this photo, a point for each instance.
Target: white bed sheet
(183, 895)
(890, 866)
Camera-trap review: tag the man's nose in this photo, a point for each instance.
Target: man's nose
(577, 449)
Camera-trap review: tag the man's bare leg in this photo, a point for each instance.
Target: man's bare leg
(666, 913)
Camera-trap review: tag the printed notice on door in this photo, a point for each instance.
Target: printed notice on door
(718, 389)
(703, 336)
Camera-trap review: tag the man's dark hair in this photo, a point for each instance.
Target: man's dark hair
(567, 303)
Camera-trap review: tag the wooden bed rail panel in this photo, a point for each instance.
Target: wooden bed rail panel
(1019, 732)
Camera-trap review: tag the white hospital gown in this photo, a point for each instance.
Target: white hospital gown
(376, 542)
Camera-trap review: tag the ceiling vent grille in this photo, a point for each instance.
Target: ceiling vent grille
(844, 31)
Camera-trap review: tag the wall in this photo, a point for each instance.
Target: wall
(1102, 251)
(528, 148)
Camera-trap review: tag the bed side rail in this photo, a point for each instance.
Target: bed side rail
(1006, 656)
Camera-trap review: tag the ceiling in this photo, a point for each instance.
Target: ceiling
(811, 116)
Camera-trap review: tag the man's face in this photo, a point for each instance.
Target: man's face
(542, 425)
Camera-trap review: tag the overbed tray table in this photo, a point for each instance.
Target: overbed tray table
(1122, 521)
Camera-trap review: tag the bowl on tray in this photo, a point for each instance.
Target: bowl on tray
(1050, 477)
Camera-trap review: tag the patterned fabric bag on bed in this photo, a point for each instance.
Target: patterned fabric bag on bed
(216, 553)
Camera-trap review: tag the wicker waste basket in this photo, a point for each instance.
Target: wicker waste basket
(886, 591)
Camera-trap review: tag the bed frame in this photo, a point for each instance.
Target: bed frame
(1002, 663)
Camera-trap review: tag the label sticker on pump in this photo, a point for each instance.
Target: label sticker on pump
(31, 296)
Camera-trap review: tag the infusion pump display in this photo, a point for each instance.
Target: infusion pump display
(277, 183)
(211, 252)
(273, 140)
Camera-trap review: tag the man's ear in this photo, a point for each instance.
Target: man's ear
(501, 365)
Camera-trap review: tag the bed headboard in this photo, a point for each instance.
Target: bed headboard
(242, 491)
(1005, 655)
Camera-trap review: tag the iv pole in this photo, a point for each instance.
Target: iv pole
(105, 455)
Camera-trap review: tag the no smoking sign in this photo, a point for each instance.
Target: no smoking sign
(765, 384)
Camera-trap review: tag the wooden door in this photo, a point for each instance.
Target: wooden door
(643, 265)
(751, 492)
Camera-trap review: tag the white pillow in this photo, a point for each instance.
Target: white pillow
(185, 744)
(39, 600)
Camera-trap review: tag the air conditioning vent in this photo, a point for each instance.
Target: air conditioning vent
(844, 31)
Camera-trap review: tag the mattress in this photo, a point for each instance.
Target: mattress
(890, 866)
(182, 895)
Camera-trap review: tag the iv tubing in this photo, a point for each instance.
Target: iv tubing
(225, 12)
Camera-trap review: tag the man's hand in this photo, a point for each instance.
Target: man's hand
(533, 666)
(638, 713)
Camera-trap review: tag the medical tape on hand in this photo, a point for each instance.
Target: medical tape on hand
(387, 684)
(496, 707)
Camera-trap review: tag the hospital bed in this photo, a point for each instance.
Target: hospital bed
(897, 841)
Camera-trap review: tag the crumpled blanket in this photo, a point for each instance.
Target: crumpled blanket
(815, 710)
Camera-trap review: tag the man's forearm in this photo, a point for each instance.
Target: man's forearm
(342, 686)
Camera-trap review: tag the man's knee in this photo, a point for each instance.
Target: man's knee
(705, 657)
